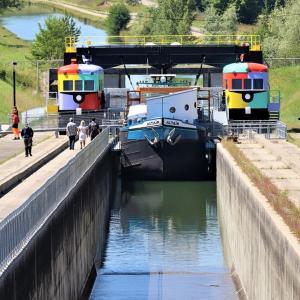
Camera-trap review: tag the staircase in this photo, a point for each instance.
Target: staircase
(274, 115)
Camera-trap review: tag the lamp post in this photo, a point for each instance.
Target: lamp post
(14, 81)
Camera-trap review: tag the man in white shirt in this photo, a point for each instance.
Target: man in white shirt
(71, 133)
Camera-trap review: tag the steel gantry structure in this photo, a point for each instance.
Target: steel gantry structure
(164, 52)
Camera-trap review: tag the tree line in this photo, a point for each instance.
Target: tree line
(247, 10)
(278, 23)
(4, 4)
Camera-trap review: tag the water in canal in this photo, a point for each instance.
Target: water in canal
(19, 26)
(164, 243)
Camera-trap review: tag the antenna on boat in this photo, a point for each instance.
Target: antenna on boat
(200, 70)
(147, 66)
(126, 72)
(85, 60)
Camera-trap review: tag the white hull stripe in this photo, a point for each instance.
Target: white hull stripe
(161, 122)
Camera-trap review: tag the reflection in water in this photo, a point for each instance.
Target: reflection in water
(164, 243)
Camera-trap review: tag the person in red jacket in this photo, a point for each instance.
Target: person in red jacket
(15, 123)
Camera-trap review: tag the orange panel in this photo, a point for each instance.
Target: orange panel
(68, 69)
(230, 76)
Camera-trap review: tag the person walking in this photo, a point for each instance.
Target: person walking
(27, 134)
(15, 123)
(82, 132)
(71, 133)
(93, 129)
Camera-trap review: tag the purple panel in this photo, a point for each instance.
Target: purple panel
(274, 106)
(66, 102)
(260, 75)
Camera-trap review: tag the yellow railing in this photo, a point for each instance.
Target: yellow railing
(215, 39)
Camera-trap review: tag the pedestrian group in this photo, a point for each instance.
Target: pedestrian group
(82, 131)
(72, 131)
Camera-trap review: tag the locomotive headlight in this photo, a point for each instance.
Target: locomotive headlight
(78, 97)
(247, 96)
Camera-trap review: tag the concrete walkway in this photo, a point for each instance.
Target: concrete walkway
(10, 148)
(15, 166)
(278, 160)
(17, 196)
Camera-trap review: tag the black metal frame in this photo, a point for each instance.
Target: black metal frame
(163, 57)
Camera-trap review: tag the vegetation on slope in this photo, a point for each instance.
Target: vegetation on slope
(14, 49)
(287, 80)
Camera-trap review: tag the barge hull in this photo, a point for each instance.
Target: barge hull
(183, 161)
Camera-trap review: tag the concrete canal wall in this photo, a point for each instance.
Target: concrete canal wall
(256, 242)
(59, 259)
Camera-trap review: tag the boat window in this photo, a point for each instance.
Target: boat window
(236, 84)
(258, 84)
(68, 85)
(172, 109)
(247, 84)
(89, 85)
(78, 85)
(186, 107)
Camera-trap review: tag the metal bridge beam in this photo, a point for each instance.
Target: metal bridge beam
(163, 57)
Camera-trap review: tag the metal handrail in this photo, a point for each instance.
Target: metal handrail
(252, 40)
(270, 128)
(18, 228)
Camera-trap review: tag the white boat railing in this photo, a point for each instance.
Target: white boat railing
(242, 129)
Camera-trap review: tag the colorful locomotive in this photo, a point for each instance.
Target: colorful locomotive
(246, 89)
(80, 86)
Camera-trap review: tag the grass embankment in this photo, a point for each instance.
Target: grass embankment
(287, 80)
(28, 9)
(278, 199)
(14, 49)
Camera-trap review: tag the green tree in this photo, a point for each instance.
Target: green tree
(269, 5)
(219, 5)
(201, 4)
(9, 3)
(173, 17)
(118, 18)
(282, 38)
(212, 21)
(50, 41)
(229, 20)
(145, 24)
(133, 2)
(248, 10)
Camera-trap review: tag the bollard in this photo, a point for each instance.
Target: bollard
(56, 134)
